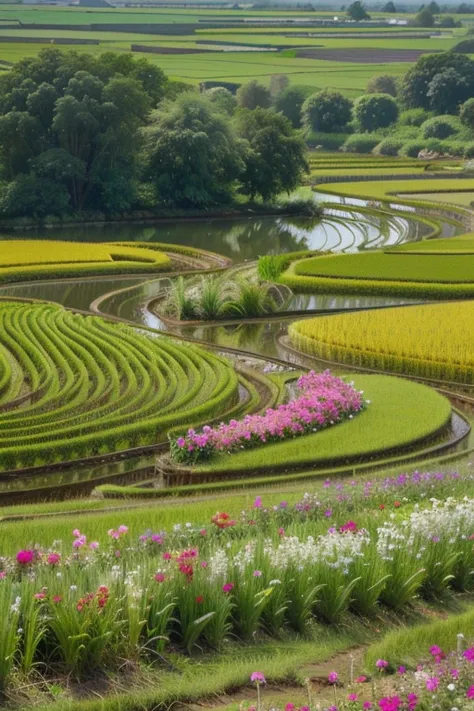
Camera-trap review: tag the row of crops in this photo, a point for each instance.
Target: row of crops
(74, 385)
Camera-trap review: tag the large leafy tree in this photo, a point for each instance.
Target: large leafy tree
(327, 111)
(191, 153)
(254, 95)
(416, 84)
(73, 121)
(374, 111)
(276, 155)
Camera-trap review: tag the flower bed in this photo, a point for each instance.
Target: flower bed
(85, 607)
(445, 682)
(324, 400)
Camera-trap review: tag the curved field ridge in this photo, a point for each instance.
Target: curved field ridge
(432, 268)
(73, 385)
(432, 341)
(443, 268)
(400, 413)
(39, 259)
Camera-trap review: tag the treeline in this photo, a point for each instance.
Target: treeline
(82, 133)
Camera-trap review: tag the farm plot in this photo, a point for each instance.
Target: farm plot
(433, 341)
(72, 386)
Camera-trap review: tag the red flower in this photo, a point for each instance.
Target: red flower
(199, 599)
(397, 504)
(381, 507)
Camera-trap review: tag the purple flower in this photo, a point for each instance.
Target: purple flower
(432, 683)
(333, 677)
(381, 664)
(258, 677)
(257, 504)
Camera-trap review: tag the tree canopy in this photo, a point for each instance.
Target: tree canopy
(326, 111)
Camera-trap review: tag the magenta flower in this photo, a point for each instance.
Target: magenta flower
(436, 651)
(470, 692)
(257, 573)
(432, 683)
(290, 707)
(93, 545)
(381, 664)
(366, 705)
(53, 558)
(333, 677)
(258, 677)
(160, 577)
(402, 670)
(25, 557)
(469, 654)
(352, 697)
(257, 504)
(227, 588)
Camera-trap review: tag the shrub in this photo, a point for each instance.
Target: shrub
(439, 127)
(388, 147)
(223, 99)
(290, 102)
(413, 117)
(384, 84)
(410, 149)
(469, 150)
(361, 143)
(466, 113)
(326, 111)
(374, 111)
(452, 148)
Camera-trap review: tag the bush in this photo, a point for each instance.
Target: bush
(374, 111)
(326, 111)
(388, 147)
(223, 99)
(254, 95)
(410, 149)
(466, 113)
(361, 143)
(469, 150)
(440, 127)
(300, 206)
(413, 117)
(384, 84)
(464, 47)
(453, 148)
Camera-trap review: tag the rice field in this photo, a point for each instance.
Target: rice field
(433, 341)
(74, 385)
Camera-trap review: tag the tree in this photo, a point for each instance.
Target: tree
(326, 111)
(417, 80)
(222, 99)
(275, 160)
(389, 7)
(423, 19)
(383, 84)
(290, 102)
(357, 11)
(72, 121)
(374, 111)
(191, 154)
(278, 83)
(446, 91)
(466, 113)
(434, 8)
(253, 95)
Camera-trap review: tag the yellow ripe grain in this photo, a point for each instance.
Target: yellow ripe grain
(434, 340)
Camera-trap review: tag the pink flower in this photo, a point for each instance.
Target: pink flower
(203, 532)
(166, 556)
(352, 697)
(469, 654)
(402, 670)
(25, 557)
(436, 651)
(160, 577)
(290, 707)
(39, 596)
(53, 558)
(454, 673)
(381, 664)
(361, 679)
(258, 677)
(3, 575)
(257, 573)
(123, 529)
(333, 677)
(227, 588)
(432, 683)
(366, 705)
(470, 692)
(390, 703)
(76, 533)
(93, 545)
(257, 504)
(57, 599)
(281, 532)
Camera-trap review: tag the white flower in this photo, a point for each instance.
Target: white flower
(451, 687)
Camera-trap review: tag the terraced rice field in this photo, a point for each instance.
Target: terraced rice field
(34, 259)
(433, 341)
(73, 385)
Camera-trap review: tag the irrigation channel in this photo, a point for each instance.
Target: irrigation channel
(347, 226)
